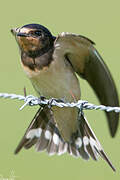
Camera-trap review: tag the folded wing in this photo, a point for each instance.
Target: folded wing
(88, 64)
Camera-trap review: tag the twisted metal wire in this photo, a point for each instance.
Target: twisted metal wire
(80, 104)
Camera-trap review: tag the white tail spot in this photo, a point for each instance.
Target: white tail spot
(95, 144)
(56, 139)
(78, 142)
(48, 134)
(85, 140)
(34, 133)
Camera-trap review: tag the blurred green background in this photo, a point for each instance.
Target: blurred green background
(98, 20)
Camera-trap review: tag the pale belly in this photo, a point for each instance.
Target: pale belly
(57, 83)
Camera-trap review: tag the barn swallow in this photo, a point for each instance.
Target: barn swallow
(51, 64)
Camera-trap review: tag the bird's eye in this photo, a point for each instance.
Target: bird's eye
(38, 33)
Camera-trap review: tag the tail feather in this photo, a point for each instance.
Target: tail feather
(96, 148)
(83, 153)
(62, 147)
(42, 141)
(52, 148)
(73, 151)
(34, 124)
(30, 143)
(44, 134)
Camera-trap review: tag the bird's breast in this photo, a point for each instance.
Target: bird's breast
(56, 80)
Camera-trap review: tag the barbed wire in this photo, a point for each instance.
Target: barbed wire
(80, 104)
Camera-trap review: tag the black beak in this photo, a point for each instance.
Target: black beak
(14, 31)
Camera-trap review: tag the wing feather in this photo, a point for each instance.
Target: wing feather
(87, 63)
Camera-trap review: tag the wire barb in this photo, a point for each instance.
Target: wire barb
(80, 104)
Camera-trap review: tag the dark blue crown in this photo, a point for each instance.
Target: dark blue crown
(37, 27)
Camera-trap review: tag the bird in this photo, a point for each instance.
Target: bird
(51, 63)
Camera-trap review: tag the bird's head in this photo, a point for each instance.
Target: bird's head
(33, 39)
